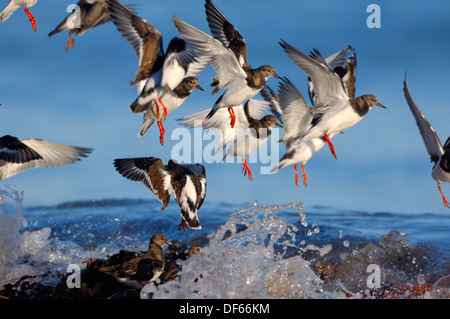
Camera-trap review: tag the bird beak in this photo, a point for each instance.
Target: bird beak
(277, 76)
(380, 105)
(278, 124)
(200, 88)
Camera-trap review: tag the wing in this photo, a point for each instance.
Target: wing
(274, 101)
(12, 150)
(297, 115)
(51, 155)
(429, 136)
(223, 60)
(145, 40)
(176, 62)
(93, 14)
(327, 84)
(335, 62)
(226, 33)
(349, 79)
(150, 171)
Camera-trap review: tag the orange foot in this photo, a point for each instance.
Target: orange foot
(70, 42)
(446, 202)
(247, 169)
(232, 116)
(305, 178)
(325, 136)
(296, 174)
(32, 18)
(162, 131)
(183, 226)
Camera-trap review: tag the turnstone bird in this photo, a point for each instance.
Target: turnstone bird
(297, 117)
(13, 5)
(88, 15)
(249, 133)
(239, 81)
(338, 111)
(440, 156)
(170, 80)
(17, 156)
(172, 100)
(186, 182)
(143, 269)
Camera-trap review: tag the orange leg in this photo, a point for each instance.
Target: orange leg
(183, 226)
(305, 178)
(296, 174)
(162, 131)
(446, 203)
(164, 108)
(232, 116)
(247, 169)
(32, 18)
(325, 136)
(70, 42)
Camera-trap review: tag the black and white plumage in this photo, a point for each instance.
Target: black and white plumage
(17, 156)
(250, 132)
(440, 156)
(165, 79)
(297, 116)
(186, 182)
(338, 111)
(234, 76)
(88, 15)
(13, 5)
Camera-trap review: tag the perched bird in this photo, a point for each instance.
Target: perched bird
(17, 156)
(239, 81)
(13, 5)
(297, 117)
(186, 182)
(338, 110)
(251, 130)
(87, 15)
(440, 156)
(142, 269)
(164, 80)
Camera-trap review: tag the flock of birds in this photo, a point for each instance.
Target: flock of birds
(166, 78)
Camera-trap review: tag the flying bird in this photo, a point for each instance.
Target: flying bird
(187, 183)
(18, 156)
(13, 5)
(440, 156)
(297, 117)
(239, 81)
(338, 111)
(87, 15)
(251, 130)
(165, 79)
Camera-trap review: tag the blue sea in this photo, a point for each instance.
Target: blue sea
(250, 250)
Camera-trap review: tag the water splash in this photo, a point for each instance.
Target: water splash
(247, 257)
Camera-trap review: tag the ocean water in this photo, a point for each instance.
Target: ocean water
(253, 251)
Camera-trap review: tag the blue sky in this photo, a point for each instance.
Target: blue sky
(81, 98)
